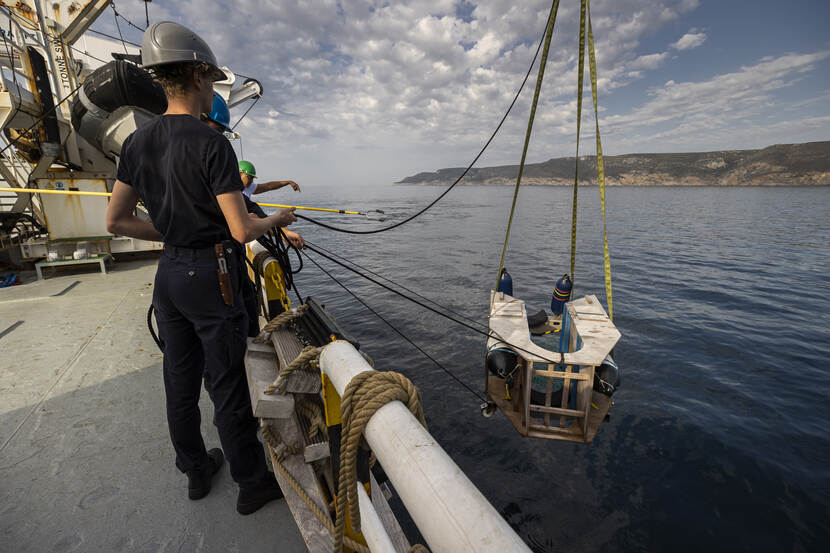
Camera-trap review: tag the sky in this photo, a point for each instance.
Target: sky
(365, 93)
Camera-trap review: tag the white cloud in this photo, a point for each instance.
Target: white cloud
(376, 90)
(683, 113)
(650, 61)
(689, 40)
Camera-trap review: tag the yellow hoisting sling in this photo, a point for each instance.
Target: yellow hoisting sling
(584, 22)
(606, 257)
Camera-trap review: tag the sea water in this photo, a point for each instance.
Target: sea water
(719, 437)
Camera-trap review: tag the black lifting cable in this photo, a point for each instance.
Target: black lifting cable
(97, 32)
(399, 285)
(244, 114)
(470, 166)
(85, 53)
(118, 27)
(130, 23)
(396, 330)
(489, 334)
(278, 245)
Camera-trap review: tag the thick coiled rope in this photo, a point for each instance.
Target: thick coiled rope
(366, 393)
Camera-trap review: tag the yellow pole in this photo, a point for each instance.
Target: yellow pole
(107, 194)
(65, 192)
(313, 208)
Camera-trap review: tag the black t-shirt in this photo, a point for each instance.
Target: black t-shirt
(178, 165)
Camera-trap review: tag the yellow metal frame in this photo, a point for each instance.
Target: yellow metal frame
(331, 403)
(275, 289)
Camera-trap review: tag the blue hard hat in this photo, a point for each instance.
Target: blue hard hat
(219, 112)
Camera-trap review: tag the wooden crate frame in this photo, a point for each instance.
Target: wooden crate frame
(589, 335)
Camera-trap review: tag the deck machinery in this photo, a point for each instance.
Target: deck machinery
(46, 57)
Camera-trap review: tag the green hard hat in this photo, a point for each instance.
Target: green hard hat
(248, 168)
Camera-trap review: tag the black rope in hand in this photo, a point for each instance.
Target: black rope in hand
(153, 334)
(278, 246)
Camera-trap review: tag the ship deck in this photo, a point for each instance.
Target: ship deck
(86, 463)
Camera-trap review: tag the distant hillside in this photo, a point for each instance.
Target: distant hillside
(779, 165)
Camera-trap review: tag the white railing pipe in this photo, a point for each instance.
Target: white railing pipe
(370, 525)
(450, 512)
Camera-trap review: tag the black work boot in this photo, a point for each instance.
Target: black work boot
(198, 481)
(252, 499)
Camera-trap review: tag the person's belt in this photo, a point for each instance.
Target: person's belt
(193, 253)
(221, 252)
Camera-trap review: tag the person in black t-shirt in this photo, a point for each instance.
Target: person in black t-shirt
(187, 177)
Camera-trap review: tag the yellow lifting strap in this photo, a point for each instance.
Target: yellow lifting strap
(548, 33)
(606, 257)
(581, 78)
(585, 14)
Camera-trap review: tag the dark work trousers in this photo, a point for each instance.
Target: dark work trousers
(201, 335)
(252, 309)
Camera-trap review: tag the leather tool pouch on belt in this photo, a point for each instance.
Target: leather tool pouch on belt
(225, 285)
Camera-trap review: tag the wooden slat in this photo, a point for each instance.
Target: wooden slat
(557, 411)
(548, 391)
(387, 517)
(596, 415)
(495, 385)
(566, 395)
(572, 430)
(526, 386)
(562, 374)
(261, 370)
(554, 432)
(316, 536)
(583, 396)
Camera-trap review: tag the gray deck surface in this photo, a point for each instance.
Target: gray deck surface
(86, 463)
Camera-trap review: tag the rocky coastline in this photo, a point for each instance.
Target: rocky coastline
(805, 164)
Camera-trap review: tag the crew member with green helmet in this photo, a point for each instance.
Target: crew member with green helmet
(187, 177)
(247, 172)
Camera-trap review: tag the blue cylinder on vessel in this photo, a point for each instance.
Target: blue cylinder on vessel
(561, 294)
(505, 283)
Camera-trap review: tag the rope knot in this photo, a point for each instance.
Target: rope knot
(366, 393)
